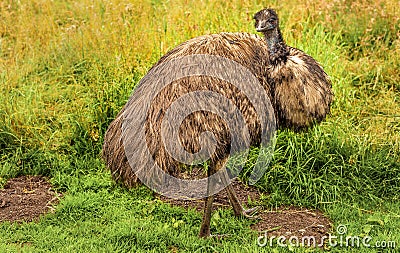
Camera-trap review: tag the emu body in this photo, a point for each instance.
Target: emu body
(296, 84)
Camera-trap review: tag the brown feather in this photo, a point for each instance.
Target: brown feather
(302, 92)
(298, 88)
(247, 50)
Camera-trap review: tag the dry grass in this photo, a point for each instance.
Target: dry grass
(67, 67)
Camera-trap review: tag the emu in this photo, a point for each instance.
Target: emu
(297, 86)
(302, 89)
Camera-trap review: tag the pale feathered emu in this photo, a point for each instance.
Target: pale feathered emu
(297, 86)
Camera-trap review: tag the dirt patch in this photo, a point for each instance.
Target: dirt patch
(293, 221)
(246, 194)
(282, 221)
(26, 198)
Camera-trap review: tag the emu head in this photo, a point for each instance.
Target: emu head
(266, 20)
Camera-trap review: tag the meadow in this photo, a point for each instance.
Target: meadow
(68, 67)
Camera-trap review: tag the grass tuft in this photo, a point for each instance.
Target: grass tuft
(68, 67)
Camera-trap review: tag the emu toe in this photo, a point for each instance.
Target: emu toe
(251, 213)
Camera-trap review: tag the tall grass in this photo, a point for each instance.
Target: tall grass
(68, 67)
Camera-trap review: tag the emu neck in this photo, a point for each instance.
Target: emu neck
(277, 48)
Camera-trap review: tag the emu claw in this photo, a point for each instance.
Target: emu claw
(251, 213)
(219, 237)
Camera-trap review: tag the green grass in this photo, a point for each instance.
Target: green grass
(67, 68)
(97, 216)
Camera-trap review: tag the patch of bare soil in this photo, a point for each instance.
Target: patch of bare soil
(244, 193)
(283, 221)
(294, 221)
(25, 198)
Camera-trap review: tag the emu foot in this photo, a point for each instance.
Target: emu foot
(204, 232)
(251, 213)
(209, 235)
(219, 237)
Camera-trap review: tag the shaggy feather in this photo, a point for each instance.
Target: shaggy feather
(296, 85)
(248, 50)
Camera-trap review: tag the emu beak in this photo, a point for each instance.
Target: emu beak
(263, 26)
(260, 29)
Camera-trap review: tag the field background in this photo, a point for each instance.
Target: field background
(67, 68)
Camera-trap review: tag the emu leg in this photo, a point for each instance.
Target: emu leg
(205, 225)
(237, 207)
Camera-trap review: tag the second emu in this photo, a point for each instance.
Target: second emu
(297, 86)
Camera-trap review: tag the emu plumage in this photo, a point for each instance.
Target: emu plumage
(297, 86)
